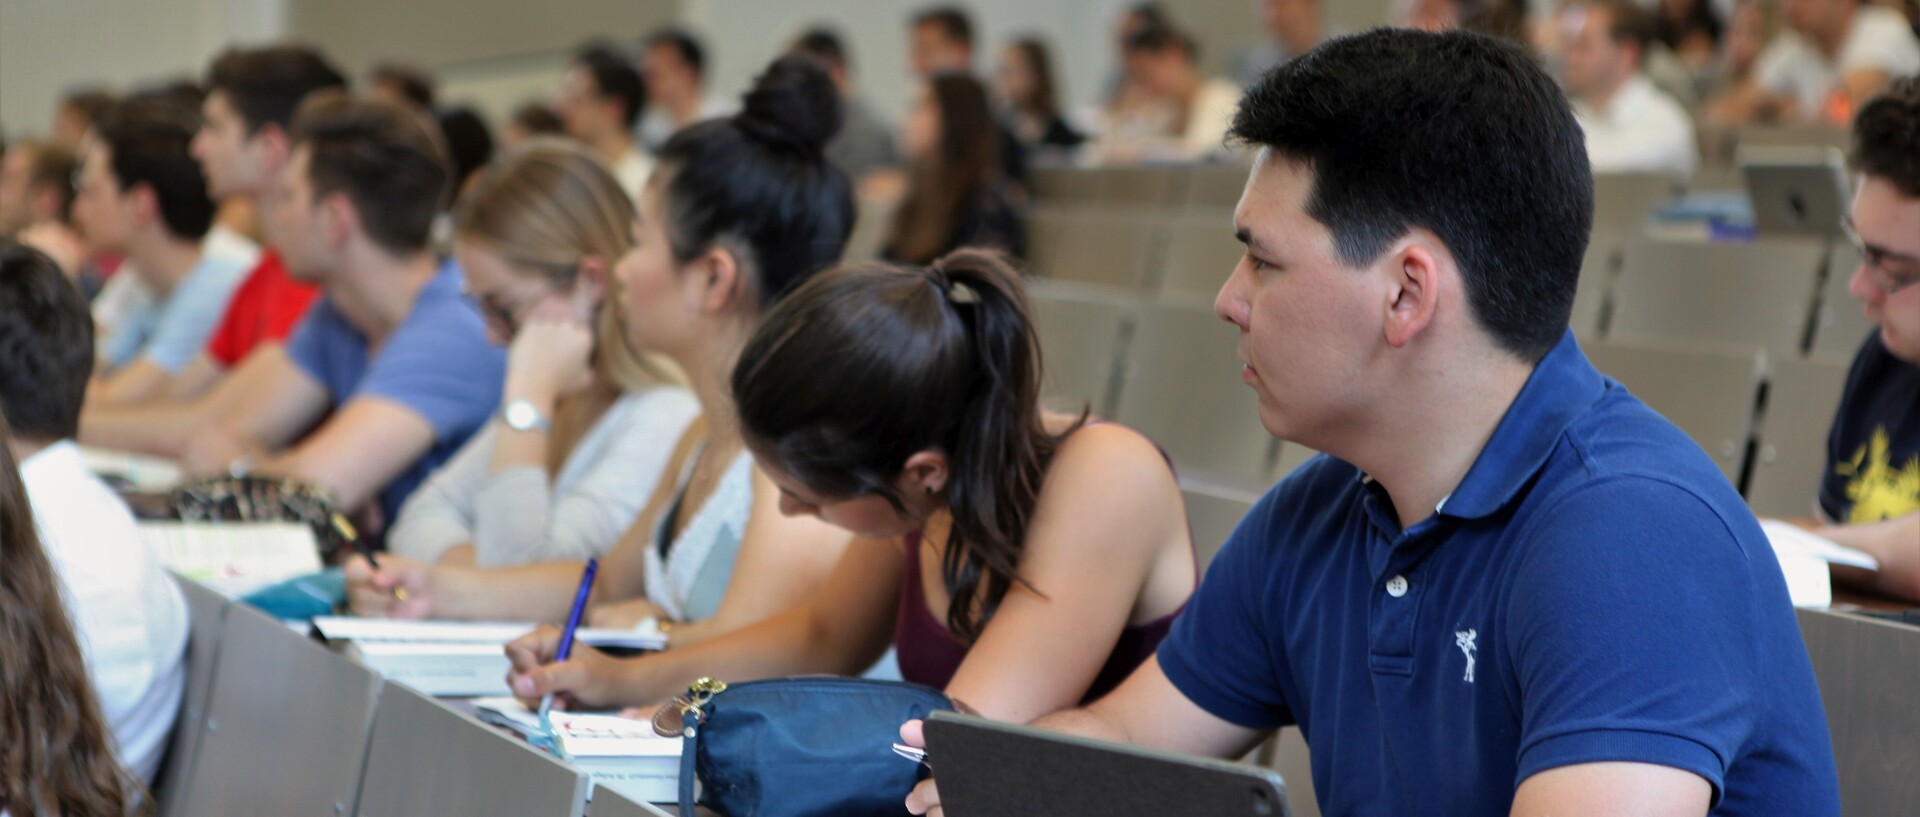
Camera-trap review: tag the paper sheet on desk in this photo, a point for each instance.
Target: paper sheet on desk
(234, 558)
(342, 628)
(1804, 559)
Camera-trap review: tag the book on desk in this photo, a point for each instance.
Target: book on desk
(620, 754)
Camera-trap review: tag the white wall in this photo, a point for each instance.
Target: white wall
(48, 47)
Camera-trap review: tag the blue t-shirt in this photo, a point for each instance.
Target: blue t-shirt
(438, 363)
(1593, 590)
(171, 332)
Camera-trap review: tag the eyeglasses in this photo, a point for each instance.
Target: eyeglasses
(1890, 271)
(506, 316)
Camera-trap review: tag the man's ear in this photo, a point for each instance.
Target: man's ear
(343, 220)
(1412, 293)
(274, 145)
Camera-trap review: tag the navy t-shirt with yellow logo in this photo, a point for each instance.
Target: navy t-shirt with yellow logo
(1873, 451)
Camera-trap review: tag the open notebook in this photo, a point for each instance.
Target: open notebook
(234, 558)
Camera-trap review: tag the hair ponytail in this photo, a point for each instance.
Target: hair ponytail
(861, 367)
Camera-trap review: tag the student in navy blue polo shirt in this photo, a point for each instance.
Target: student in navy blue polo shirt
(1510, 588)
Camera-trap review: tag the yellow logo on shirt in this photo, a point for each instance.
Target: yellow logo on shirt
(1879, 489)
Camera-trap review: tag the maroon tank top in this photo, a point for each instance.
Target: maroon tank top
(930, 654)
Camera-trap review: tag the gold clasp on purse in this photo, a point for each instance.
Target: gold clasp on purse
(670, 720)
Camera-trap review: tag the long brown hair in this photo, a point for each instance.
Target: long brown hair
(56, 759)
(940, 185)
(546, 207)
(864, 366)
(1044, 103)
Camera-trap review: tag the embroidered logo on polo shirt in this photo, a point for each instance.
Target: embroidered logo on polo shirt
(1464, 640)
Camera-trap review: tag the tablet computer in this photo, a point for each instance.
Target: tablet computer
(1796, 190)
(987, 769)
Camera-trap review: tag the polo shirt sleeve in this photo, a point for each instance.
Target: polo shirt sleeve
(320, 338)
(1220, 651)
(440, 365)
(1631, 630)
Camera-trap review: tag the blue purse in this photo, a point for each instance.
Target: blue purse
(797, 747)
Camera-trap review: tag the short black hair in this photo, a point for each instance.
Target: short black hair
(1457, 133)
(952, 21)
(53, 167)
(469, 142)
(1626, 21)
(683, 42)
(413, 83)
(1159, 37)
(823, 44)
(46, 345)
(387, 159)
(614, 75)
(177, 91)
(1886, 136)
(265, 85)
(536, 117)
(147, 140)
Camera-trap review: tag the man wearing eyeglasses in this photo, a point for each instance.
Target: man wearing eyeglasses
(1870, 492)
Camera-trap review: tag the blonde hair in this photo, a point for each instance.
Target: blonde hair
(546, 207)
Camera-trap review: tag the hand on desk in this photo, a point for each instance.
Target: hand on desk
(399, 589)
(925, 798)
(588, 677)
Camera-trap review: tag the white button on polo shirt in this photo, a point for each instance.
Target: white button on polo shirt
(1397, 586)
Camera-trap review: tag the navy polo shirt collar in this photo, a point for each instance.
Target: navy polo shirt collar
(1563, 386)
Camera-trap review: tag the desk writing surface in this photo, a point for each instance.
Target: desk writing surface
(429, 759)
(1868, 671)
(286, 725)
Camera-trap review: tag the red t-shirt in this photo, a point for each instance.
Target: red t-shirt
(265, 307)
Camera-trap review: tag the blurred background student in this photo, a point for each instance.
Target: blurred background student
(585, 426)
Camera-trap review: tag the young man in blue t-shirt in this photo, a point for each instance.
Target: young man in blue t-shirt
(1510, 588)
(391, 349)
(1871, 490)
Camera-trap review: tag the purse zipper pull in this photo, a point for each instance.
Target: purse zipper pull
(670, 720)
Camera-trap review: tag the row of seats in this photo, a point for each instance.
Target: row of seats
(1788, 296)
(275, 723)
(1196, 186)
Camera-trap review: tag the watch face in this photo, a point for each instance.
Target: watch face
(521, 416)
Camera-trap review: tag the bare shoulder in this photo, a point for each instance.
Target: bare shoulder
(1097, 445)
(1109, 469)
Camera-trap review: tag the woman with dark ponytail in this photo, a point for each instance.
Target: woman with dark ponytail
(1022, 561)
(56, 758)
(737, 213)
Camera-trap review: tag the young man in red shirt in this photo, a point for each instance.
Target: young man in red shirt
(242, 147)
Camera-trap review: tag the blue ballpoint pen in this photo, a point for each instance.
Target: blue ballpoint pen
(566, 648)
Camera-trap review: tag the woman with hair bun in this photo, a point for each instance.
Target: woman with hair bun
(737, 213)
(1021, 560)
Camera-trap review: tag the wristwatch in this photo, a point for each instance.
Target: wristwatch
(520, 415)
